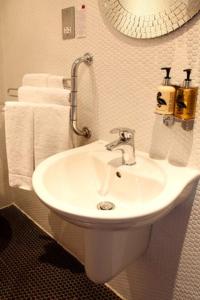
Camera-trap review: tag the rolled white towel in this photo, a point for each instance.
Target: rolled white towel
(43, 95)
(36, 79)
(55, 81)
(19, 143)
(51, 130)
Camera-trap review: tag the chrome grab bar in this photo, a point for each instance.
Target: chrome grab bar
(88, 59)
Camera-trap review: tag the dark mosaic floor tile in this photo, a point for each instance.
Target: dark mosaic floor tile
(34, 266)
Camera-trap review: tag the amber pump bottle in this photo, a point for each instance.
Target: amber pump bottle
(186, 98)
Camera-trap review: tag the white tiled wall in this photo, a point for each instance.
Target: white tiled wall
(118, 90)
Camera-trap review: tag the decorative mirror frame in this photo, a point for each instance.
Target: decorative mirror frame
(149, 26)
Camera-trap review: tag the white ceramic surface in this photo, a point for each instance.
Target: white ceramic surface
(75, 181)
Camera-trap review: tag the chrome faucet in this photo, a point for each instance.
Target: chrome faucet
(88, 59)
(125, 143)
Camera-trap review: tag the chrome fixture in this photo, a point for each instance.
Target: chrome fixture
(13, 92)
(170, 120)
(105, 205)
(125, 143)
(88, 59)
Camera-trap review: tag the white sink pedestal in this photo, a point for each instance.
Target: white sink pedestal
(107, 253)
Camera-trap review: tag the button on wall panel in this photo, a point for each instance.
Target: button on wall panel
(68, 23)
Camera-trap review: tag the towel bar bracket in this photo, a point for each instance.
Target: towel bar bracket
(10, 92)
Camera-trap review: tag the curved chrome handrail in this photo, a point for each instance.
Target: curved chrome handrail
(88, 59)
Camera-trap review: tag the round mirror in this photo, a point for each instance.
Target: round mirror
(149, 18)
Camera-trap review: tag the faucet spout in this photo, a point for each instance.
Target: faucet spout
(124, 143)
(111, 146)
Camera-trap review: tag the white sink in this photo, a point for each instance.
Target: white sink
(74, 182)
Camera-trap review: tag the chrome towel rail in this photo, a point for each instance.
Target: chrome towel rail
(67, 83)
(13, 92)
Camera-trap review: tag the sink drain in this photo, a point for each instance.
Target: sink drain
(105, 205)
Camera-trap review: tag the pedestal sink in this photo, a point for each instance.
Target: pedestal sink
(115, 204)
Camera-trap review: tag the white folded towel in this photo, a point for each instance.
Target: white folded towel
(55, 81)
(43, 95)
(33, 133)
(19, 143)
(51, 130)
(36, 79)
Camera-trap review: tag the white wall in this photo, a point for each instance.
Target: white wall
(3, 173)
(118, 90)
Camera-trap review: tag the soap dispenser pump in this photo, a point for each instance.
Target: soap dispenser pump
(166, 80)
(188, 80)
(186, 98)
(166, 95)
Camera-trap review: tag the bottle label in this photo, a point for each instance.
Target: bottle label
(165, 102)
(185, 105)
(160, 100)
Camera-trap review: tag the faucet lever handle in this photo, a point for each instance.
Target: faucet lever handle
(124, 133)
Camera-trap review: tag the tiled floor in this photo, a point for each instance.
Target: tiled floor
(34, 266)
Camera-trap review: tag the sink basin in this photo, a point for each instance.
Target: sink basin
(78, 182)
(75, 181)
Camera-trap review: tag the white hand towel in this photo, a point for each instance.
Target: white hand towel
(51, 130)
(43, 95)
(19, 143)
(36, 79)
(55, 81)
